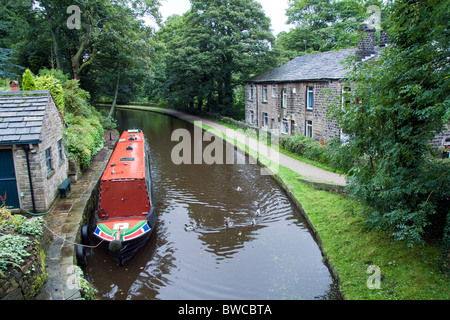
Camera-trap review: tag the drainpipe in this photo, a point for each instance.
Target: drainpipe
(257, 106)
(26, 148)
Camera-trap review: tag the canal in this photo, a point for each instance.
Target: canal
(273, 256)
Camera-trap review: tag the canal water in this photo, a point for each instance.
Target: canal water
(272, 257)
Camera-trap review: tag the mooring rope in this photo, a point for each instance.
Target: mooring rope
(74, 243)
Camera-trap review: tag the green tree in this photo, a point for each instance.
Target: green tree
(400, 102)
(213, 49)
(28, 81)
(322, 25)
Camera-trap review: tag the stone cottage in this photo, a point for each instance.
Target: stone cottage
(294, 98)
(32, 159)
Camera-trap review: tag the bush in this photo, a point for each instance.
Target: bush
(28, 81)
(49, 82)
(14, 242)
(83, 135)
(330, 155)
(303, 146)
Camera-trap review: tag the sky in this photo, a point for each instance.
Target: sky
(274, 9)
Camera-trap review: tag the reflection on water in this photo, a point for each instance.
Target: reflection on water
(268, 254)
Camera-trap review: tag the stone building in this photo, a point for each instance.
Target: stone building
(32, 159)
(294, 98)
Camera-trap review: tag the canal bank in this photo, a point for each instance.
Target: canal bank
(356, 251)
(64, 220)
(314, 177)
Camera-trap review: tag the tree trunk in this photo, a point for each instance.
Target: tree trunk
(54, 32)
(76, 66)
(111, 111)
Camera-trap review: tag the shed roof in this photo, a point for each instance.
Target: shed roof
(319, 66)
(22, 115)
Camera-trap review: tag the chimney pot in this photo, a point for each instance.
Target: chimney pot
(366, 46)
(14, 85)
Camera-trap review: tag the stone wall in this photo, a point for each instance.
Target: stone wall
(296, 113)
(441, 139)
(24, 284)
(45, 184)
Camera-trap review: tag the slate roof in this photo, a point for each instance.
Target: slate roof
(320, 66)
(22, 115)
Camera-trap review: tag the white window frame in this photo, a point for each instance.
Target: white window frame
(285, 126)
(265, 119)
(309, 100)
(274, 91)
(283, 98)
(252, 117)
(48, 159)
(309, 128)
(60, 150)
(264, 93)
(346, 90)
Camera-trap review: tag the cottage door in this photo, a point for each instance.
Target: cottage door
(8, 186)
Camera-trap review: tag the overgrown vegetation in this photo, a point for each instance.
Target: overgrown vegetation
(351, 246)
(83, 133)
(14, 241)
(87, 290)
(331, 153)
(396, 106)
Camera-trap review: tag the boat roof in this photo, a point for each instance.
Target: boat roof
(128, 158)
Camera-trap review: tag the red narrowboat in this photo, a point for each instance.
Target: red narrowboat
(126, 217)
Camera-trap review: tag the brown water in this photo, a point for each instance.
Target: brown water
(277, 258)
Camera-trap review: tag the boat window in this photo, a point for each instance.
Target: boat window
(126, 159)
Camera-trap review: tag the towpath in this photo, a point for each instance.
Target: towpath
(63, 220)
(306, 170)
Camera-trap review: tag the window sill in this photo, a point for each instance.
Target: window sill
(50, 173)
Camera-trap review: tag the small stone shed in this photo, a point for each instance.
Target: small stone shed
(32, 159)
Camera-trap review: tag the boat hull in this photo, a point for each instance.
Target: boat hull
(123, 250)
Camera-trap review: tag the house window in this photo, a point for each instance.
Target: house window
(252, 117)
(48, 160)
(265, 119)
(251, 93)
(308, 128)
(60, 151)
(310, 98)
(284, 126)
(274, 91)
(346, 91)
(292, 126)
(264, 93)
(283, 99)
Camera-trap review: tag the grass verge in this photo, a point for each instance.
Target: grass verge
(357, 255)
